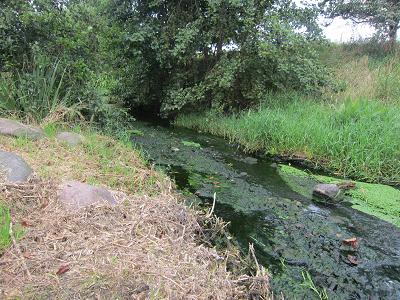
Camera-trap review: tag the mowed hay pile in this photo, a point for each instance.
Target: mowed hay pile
(145, 247)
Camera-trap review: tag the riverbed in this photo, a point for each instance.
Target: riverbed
(292, 234)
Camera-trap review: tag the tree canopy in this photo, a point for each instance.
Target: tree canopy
(226, 54)
(165, 55)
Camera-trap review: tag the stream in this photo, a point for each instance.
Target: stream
(291, 233)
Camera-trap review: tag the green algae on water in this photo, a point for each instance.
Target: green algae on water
(379, 200)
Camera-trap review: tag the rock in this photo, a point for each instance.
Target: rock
(16, 129)
(250, 160)
(70, 138)
(327, 191)
(14, 167)
(77, 195)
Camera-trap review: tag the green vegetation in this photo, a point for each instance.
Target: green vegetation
(356, 139)
(93, 60)
(378, 200)
(134, 236)
(100, 160)
(308, 282)
(5, 219)
(352, 131)
(4, 227)
(55, 62)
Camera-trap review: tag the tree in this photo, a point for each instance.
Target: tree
(226, 54)
(384, 15)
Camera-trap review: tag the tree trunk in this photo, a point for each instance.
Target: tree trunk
(393, 33)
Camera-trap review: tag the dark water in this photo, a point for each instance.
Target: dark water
(291, 233)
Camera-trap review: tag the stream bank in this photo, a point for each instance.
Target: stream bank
(291, 233)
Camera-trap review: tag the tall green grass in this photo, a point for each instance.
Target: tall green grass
(4, 227)
(357, 139)
(37, 92)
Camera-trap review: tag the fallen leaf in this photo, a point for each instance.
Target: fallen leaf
(27, 255)
(352, 259)
(62, 270)
(351, 242)
(25, 223)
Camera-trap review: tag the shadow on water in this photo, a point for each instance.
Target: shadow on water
(290, 232)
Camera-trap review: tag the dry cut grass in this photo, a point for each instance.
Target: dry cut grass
(146, 247)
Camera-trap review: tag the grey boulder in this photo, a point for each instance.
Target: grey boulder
(70, 138)
(327, 192)
(250, 160)
(17, 129)
(14, 168)
(76, 195)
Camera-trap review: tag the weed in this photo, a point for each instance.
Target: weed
(4, 227)
(308, 282)
(38, 92)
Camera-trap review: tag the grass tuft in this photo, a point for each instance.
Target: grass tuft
(356, 139)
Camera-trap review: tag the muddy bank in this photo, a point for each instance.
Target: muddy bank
(291, 233)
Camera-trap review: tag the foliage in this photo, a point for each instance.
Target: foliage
(384, 15)
(188, 55)
(38, 93)
(356, 139)
(72, 37)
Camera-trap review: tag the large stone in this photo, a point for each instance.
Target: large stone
(70, 138)
(76, 195)
(14, 168)
(250, 160)
(16, 129)
(327, 192)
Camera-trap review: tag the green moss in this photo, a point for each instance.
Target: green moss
(299, 181)
(191, 144)
(378, 200)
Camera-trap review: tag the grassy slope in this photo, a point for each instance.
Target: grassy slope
(101, 160)
(355, 133)
(161, 256)
(358, 139)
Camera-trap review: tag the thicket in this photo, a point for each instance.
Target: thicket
(55, 60)
(93, 60)
(194, 55)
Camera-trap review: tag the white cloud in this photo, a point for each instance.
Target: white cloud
(341, 30)
(344, 30)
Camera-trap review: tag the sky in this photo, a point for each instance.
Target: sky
(342, 30)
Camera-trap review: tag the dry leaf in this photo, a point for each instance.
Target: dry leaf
(62, 270)
(351, 242)
(352, 259)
